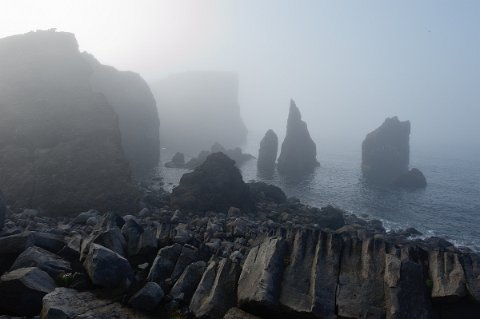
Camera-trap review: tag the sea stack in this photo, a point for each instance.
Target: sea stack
(299, 152)
(267, 154)
(386, 155)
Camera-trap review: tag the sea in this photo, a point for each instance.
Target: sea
(449, 207)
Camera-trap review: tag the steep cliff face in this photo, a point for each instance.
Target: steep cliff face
(299, 152)
(198, 109)
(60, 145)
(132, 100)
(386, 151)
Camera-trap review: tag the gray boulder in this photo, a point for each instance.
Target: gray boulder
(22, 290)
(107, 268)
(164, 263)
(43, 259)
(267, 154)
(147, 298)
(299, 153)
(186, 285)
(386, 152)
(216, 292)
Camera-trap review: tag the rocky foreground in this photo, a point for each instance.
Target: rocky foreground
(277, 259)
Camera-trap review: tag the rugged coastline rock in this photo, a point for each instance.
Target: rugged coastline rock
(215, 185)
(414, 178)
(235, 154)
(199, 108)
(299, 152)
(138, 120)
(60, 143)
(267, 154)
(178, 161)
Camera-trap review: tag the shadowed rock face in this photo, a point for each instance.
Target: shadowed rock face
(386, 151)
(299, 153)
(267, 154)
(60, 144)
(215, 185)
(132, 100)
(198, 109)
(414, 178)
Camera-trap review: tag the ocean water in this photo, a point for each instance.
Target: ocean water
(449, 207)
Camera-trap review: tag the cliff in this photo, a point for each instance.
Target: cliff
(60, 143)
(198, 109)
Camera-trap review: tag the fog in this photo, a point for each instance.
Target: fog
(347, 64)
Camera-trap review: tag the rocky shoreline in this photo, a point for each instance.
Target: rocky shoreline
(279, 259)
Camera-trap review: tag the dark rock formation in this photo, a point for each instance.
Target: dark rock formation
(235, 154)
(132, 100)
(299, 152)
(198, 109)
(3, 210)
(265, 192)
(147, 298)
(267, 154)
(386, 151)
(215, 185)
(414, 178)
(60, 143)
(178, 161)
(37, 257)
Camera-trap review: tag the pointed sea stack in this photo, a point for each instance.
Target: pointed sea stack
(299, 152)
(267, 154)
(386, 151)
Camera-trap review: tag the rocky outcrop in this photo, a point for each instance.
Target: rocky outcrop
(133, 102)
(215, 185)
(267, 154)
(235, 154)
(147, 298)
(386, 151)
(414, 178)
(198, 109)
(299, 153)
(178, 161)
(60, 143)
(49, 262)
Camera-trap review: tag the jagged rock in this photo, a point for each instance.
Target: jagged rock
(447, 275)
(131, 98)
(299, 153)
(329, 217)
(51, 242)
(178, 161)
(107, 268)
(310, 278)
(16, 244)
(148, 297)
(414, 178)
(216, 292)
(262, 192)
(215, 185)
(110, 238)
(3, 211)
(188, 255)
(60, 143)
(43, 259)
(132, 232)
(22, 290)
(68, 303)
(265, 264)
(185, 286)
(236, 313)
(386, 151)
(201, 108)
(84, 216)
(267, 154)
(164, 263)
(235, 154)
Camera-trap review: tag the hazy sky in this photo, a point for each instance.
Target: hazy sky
(347, 64)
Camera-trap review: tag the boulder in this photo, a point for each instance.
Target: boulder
(216, 292)
(3, 211)
(299, 153)
(386, 151)
(189, 255)
(235, 154)
(267, 154)
(60, 143)
(133, 102)
(16, 244)
(215, 185)
(186, 285)
(202, 108)
(22, 290)
(414, 178)
(107, 268)
(147, 298)
(43, 259)
(68, 303)
(178, 161)
(236, 313)
(164, 263)
(329, 217)
(264, 192)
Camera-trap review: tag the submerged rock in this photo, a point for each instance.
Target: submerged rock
(178, 161)
(414, 178)
(267, 154)
(299, 153)
(386, 151)
(215, 185)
